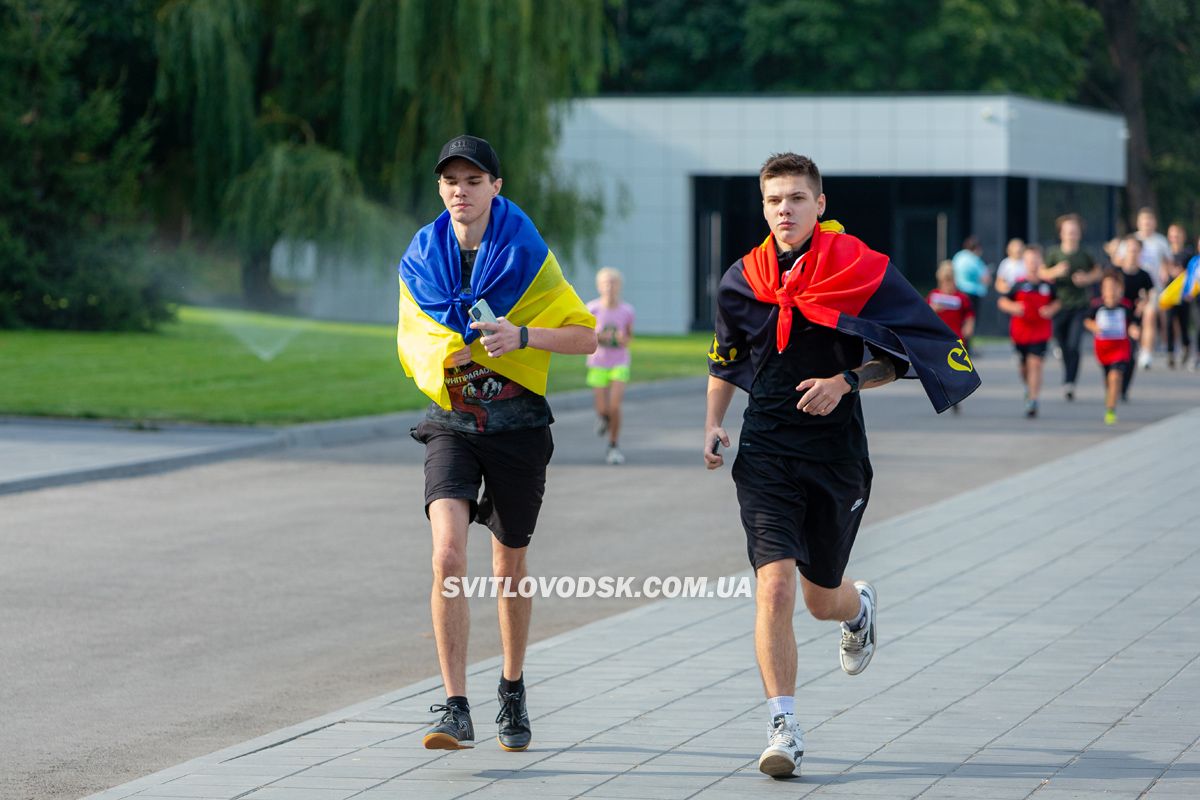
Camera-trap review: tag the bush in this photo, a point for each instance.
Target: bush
(71, 243)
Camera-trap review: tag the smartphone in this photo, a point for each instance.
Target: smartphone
(716, 446)
(481, 311)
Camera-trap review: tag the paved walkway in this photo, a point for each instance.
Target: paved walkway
(1040, 637)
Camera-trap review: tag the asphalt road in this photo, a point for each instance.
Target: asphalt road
(150, 620)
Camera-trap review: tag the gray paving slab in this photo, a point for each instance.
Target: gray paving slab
(1038, 638)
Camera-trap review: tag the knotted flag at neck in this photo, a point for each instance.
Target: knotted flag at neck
(841, 284)
(836, 276)
(515, 271)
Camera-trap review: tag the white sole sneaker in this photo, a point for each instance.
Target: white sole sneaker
(777, 763)
(858, 647)
(785, 748)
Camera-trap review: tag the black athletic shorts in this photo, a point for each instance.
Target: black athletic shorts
(1036, 349)
(510, 465)
(808, 511)
(1119, 366)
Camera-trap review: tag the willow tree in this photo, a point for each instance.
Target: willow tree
(418, 73)
(346, 105)
(238, 81)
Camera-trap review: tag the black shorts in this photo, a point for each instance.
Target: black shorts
(1035, 349)
(1118, 366)
(510, 465)
(808, 511)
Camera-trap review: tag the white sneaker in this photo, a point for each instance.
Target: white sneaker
(785, 748)
(614, 456)
(858, 646)
(1145, 359)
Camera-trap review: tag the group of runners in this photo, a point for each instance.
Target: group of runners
(805, 321)
(1138, 293)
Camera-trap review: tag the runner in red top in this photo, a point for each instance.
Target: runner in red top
(1031, 303)
(952, 306)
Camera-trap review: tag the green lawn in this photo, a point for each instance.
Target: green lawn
(237, 367)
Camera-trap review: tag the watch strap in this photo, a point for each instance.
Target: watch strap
(524, 337)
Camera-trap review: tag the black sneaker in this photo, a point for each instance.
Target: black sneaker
(453, 732)
(513, 720)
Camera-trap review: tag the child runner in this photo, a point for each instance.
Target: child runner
(1112, 324)
(608, 367)
(1032, 303)
(953, 307)
(1012, 268)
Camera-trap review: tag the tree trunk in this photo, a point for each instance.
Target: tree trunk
(257, 289)
(1121, 25)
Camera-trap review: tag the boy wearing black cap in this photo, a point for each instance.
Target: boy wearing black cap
(489, 423)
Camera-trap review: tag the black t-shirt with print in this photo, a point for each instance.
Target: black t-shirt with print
(484, 401)
(774, 426)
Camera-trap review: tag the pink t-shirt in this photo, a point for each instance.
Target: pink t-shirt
(608, 322)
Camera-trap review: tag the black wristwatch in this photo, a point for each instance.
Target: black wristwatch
(524, 337)
(851, 378)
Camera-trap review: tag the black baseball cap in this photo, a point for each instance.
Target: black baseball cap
(473, 149)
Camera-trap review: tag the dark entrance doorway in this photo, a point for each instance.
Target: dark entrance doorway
(914, 220)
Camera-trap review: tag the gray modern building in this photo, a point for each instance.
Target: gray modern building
(910, 175)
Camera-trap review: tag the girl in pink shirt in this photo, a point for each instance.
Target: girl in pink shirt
(608, 367)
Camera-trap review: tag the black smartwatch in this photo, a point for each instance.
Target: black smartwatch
(851, 378)
(524, 337)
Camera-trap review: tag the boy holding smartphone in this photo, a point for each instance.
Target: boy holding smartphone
(483, 303)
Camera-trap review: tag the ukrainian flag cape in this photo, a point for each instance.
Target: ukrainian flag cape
(514, 271)
(1185, 286)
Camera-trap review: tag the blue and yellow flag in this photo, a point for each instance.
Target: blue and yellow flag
(1184, 288)
(514, 271)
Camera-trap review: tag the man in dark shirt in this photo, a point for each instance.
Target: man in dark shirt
(1073, 272)
(802, 471)
(1179, 317)
(1139, 291)
(495, 433)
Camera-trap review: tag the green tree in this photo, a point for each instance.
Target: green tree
(418, 73)
(1137, 57)
(272, 98)
(250, 90)
(1026, 46)
(1149, 70)
(679, 46)
(70, 238)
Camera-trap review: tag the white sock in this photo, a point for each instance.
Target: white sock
(784, 704)
(861, 619)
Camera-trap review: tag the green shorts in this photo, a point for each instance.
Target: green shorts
(600, 377)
